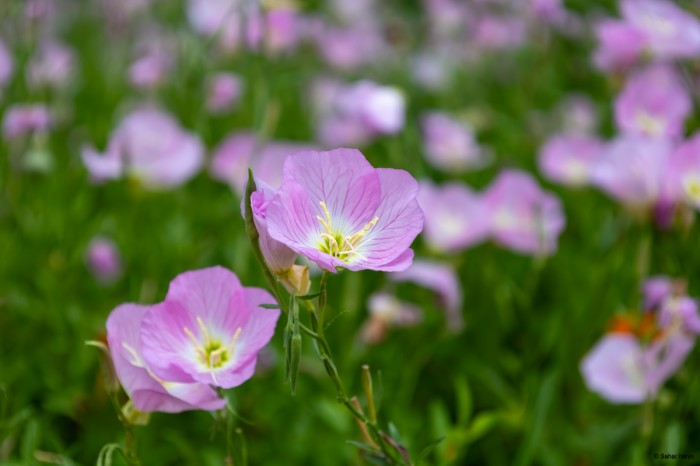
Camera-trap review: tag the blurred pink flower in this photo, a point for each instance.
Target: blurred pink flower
(499, 32)
(208, 330)
(223, 93)
(151, 146)
(523, 217)
(578, 114)
(386, 311)
(277, 29)
(348, 48)
(669, 31)
(52, 65)
(103, 259)
(569, 158)
(621, 370)
(449, 144)
(6, 64)
(632, 170)
(441, 279)
(340, 212)
(22, 119)
(619, 45)
(242, 149)
(682, 181)
(221, 19)
(653, 103)
(147, 391)
(151, 69)
(455, 217)
(353, 114)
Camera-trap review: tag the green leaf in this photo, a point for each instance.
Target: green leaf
(270, 306)
(429, 448)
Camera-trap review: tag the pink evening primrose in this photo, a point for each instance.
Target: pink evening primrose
(569, 158)
(455, 217)
(242, 149)
(387, 311)
(449, 144)
(223, 93)
(683, 177)
(103, 259)
(340, 212)
(669, 31)
(443, 281)
(151, 146)
(208, 330)
(147, 391)
(52, 65)
(6, 64)
(619, 45)
(20, 120)
(632, 170)
(653, 103)
(524, 217)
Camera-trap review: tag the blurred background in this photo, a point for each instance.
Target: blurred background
(128, 126)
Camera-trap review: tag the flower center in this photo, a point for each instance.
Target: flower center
(691, 186)
(336, 243)
(212, 353)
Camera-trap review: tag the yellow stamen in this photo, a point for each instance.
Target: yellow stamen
(335, 243)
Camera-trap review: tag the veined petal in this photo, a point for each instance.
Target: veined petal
(342, 179)
(400, 220)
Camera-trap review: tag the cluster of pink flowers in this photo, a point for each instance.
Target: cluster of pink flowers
(641, 352)
(513, 211)
(206, 333)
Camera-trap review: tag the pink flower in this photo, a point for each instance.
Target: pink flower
(653, 103)
(103, 259)
(441, 279)
(224, 92)
(338, 211)
(631, 170)
(147, 391)
(208, 330)
(52, 66)
(682, 181)
(524, 218)
(6, 64)
(20, 120)
(152, 68)
(450, 145)
(669, 31)
(619, 45)
(242, 149)
(221, 19)
(151, 146)
(621, 370)
(455, 217)
(386, 312)
(350, 47)
(354, 114)
(569, 158)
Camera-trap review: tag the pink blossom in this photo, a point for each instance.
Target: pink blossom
(653, 103)
(569, 158)
(208, 330)
(578, 114)
(152, 68)
(224, 92)
(499, 32)
(441, 279)
(6, 64)
(620, 45)
(20, 120)
(104, 260)
(350, 47)
(524, 218)
(151, 146)
(450, 145)
(621, 370)
(222, 19)
(53, 66)
(386, 311)
(242, 149)
(455, 216)
(682, 181)
(669, 31)
(147, 391)
(632, 170)
(340, 212)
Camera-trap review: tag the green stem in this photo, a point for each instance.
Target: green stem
(322, 302)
